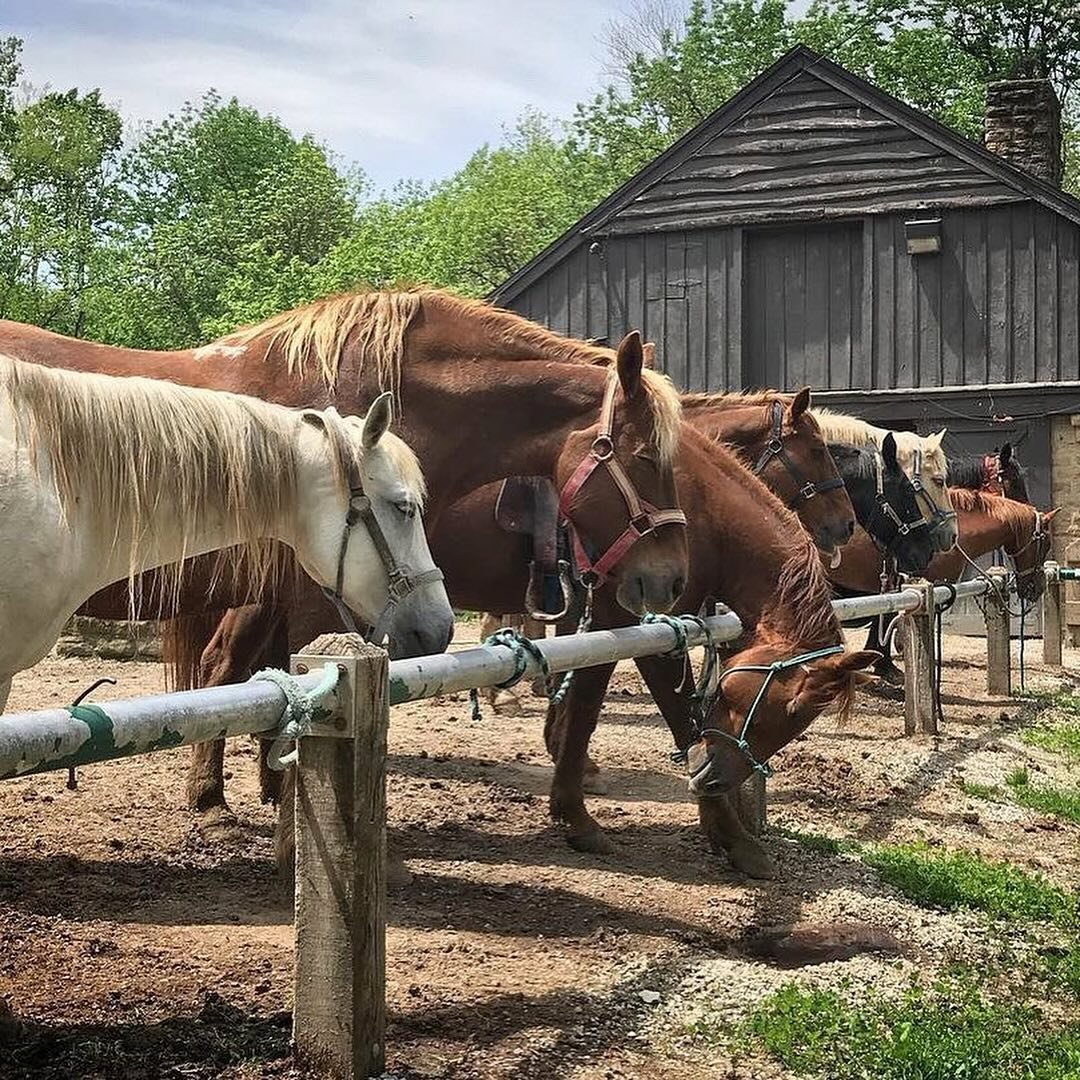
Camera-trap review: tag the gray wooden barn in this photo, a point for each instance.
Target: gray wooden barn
(814, 230)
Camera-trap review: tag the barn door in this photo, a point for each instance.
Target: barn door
(802, 306)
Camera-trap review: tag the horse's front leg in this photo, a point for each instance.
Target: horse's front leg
(580, 711)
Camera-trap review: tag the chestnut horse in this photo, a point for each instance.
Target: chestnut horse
(450, 361)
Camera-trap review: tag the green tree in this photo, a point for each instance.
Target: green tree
(723, 44)
(225, 215)
(473, 229)
(58, 192)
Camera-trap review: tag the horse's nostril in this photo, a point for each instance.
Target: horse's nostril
(851, 528)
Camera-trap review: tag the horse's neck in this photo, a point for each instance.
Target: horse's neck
(980, 533)
(743, 426)
(473, 421)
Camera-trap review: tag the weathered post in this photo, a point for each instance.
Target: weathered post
(339, 1015)
(998, 659)
(918, 628)
(1052, 615)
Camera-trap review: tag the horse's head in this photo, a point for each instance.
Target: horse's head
(731, 747)
(796, 464)
(361, 531)
(1031, 545)
(617, 487)
(886, 503)
(923, 459)
(1008, 475)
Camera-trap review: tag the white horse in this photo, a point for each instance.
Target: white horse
(104, 477)
(922, 457)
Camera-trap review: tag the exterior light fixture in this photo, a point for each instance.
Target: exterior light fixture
(923, 236)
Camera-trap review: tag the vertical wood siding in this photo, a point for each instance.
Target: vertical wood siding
(835, 305)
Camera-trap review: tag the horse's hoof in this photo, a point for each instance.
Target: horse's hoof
(219, 825)
(890, 673)
(752, 860)
(592, 843)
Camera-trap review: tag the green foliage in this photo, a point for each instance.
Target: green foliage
(1051, 733)
(813, 841)
(1044, 798)
(988, 792)
(948, 1030)
(723, 44)
(1061, 968)
(962, 879)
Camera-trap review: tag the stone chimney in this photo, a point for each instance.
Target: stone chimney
(1023, 125)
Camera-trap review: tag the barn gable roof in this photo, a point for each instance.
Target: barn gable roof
(805, 140)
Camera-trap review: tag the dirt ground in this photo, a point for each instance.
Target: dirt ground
(134, 944)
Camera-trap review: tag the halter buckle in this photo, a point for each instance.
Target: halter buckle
(775, 446)
(808, 490)
(603, 448)
(399, 585)
(642, 524)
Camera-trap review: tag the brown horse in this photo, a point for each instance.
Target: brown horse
(745, 547)
(450, 361)
(985, 522)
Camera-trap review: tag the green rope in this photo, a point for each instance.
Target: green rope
(299, 712)
(522, 649)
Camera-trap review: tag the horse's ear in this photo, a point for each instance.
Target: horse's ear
(799, 404)
(933, 442)
(1005, 455)
(888, 452)
(378, 420)
(856, 661)
(648, 354)
(629, 361)
(1049, 515)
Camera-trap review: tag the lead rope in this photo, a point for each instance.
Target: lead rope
(939, 612)
(299, 711)
(522, 648)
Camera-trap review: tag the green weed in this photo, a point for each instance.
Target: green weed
(1057, 802)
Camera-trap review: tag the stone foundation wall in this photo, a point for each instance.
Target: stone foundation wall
(1065, 489)
(108, 640)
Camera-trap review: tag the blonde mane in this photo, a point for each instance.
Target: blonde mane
(375, 324)
(127, 447)
(734, 398)
(840, 428)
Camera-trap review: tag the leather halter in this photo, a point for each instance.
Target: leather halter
(644, 518)
(903, 528)
(1039, 533)
(401, 581)
(774, 449)
(937, 516)
(993, 475)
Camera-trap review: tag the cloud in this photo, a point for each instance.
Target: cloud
(405, 89)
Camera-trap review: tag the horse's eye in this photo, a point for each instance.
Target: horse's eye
(406, 509)
(647, 453)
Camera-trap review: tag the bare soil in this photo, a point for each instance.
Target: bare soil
(134, 943)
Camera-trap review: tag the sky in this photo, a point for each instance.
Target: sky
(405, 89)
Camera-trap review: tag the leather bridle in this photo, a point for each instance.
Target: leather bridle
(643, 517)
(1038, 534)
(937, 516)
(886, 509)
(775, 451)
(401, 581)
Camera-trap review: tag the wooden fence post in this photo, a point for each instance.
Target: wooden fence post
(339, 1015)
(998, 658)
(918, 628)
(1052, 616)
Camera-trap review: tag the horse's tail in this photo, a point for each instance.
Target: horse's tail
(183, 641)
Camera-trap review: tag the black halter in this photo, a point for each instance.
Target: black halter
(887, 510)
(774, 448)
(401, 581)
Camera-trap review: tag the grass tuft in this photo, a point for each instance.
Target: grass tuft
(962, 879)
(946, 1031)
(1057, 802)
(814, 841)
(986, 792)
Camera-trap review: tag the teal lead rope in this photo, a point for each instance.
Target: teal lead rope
(522, 649)
(299, 711)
